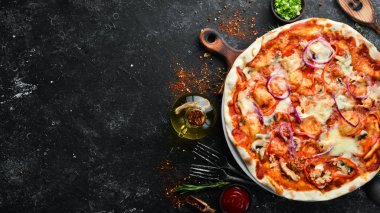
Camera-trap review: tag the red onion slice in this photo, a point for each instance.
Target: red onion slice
(291, 144)
(323, 153)
(259, 113)
(296, 115)
(345, 119)
(368, 81)
(284, 95)
(311, 60)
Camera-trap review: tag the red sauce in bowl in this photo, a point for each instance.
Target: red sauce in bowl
(235, 199)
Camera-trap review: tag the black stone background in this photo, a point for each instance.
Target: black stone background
(82, 130)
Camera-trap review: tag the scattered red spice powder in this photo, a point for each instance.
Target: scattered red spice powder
(211, 80)
(177, 200)
(189, 80)
(235, 24)
(239, 26)
(167, 170)
(165, 166)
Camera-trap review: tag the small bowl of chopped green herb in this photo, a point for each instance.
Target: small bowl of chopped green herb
(288, 11)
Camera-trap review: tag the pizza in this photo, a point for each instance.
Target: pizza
(301, 106)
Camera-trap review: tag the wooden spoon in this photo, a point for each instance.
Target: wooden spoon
(361, 11)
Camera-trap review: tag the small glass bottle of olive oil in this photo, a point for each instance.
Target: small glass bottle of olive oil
(193, 116)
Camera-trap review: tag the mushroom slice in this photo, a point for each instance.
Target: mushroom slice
(259, 147)
(287, 171)
(263, 136)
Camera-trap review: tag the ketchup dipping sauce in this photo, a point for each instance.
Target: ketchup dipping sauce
(235, 199)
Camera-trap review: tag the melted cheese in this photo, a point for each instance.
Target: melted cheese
(282, 106)
(291, 63)
(343, 146)
(322, 52)
(344, 63)
(321, 111)
(245, 103)
(374, 93)
(344, 103)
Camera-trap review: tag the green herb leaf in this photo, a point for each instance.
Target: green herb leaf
(272, 27)
(190, 188)
(288, 9)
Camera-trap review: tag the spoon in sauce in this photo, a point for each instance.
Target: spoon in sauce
(361, 11)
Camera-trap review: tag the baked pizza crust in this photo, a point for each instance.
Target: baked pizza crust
(248, 55)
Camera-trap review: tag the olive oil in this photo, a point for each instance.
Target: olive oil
(193, 116)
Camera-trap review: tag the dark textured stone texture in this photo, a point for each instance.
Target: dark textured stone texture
(85, 103)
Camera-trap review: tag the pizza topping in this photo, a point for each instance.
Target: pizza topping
(342, 144)
(374, 93)
(324, 152)
(244, 103)
(332, 78)
(373, 123)
(344, 62)
(318, 53)
(317, 174)
(277, 146)
(358, 85)
(373, 149)
(347, 129)
(296, 115)
(273, 161)
(351, 117)
(308, 149)
(311, 126)
(287, 171)
(344, 102)
(321, 110)
(287, 135)
(259, 146)
(362, 135)
(345, 167)
(320, 177)
(295, 79)
(291, 63)
(264, 99)
(368, 102)
(259, 113)
(278, 86)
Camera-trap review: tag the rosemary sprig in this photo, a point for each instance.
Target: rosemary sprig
(272, 27)
(190, 188)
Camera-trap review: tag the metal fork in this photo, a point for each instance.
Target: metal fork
(215, 158)
(214, 173)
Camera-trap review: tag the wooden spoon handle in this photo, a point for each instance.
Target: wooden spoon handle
(214, 43)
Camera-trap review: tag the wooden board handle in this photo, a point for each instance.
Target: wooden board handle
(214, 43)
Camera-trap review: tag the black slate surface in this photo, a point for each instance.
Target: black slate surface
(84, 103)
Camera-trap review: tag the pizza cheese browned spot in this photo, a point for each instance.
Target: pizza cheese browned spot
(303, 103)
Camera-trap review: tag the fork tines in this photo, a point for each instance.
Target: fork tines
(204, 172)
(207, 153)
